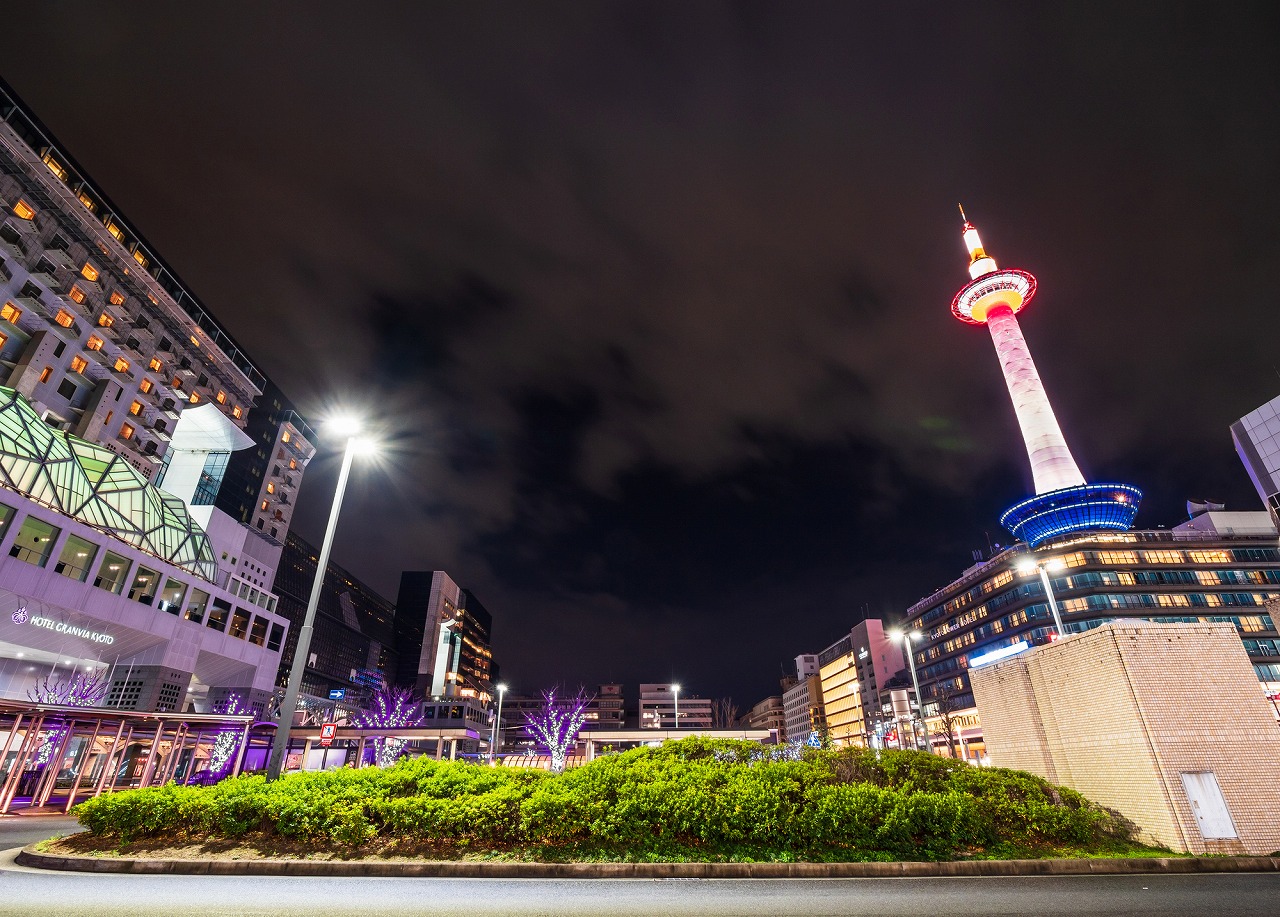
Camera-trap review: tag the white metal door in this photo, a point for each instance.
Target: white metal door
(1208, 805)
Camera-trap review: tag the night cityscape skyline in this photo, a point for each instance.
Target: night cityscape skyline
(654, 302)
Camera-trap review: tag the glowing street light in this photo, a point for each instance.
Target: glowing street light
(675, 691)
(907, 638)
(1028, 565)
(349, 428)
(493, 736)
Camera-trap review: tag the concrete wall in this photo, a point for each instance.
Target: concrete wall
(1122, 711)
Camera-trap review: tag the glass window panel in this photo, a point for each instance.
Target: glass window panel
(112, 573)
(34, 542)
(276, 638)
(171, 596)
(258, 633)
(76, 558)
(6, 515)
(145, 584)
(239, 624)
(197, 605)
(219, 614)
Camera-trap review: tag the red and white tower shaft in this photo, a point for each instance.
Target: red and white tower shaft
(994, 297)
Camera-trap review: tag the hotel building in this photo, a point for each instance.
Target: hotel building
(442, 638)
(855, 672)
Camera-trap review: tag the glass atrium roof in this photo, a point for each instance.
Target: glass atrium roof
(94, 485)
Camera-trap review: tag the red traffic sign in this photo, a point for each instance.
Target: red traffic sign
(327, 732)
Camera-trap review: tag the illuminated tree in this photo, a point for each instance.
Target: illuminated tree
(225, 745)
(389, 708)
(80, 690)
(555, 725)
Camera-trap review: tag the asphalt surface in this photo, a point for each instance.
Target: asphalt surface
(38, 892)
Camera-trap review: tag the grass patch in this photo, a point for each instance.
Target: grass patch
(695, 800)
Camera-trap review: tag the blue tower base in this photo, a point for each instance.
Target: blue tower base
(1087, 508)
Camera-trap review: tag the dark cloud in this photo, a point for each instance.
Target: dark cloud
(653, 297)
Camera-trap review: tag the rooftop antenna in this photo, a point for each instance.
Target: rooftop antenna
(962, 216)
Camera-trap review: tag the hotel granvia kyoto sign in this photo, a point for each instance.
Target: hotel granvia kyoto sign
(62, 627)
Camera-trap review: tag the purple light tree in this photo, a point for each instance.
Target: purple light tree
(555, 725)
(225, 745)
(79, 690)
(390, 708)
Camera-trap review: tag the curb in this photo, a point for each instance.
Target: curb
(499, 870)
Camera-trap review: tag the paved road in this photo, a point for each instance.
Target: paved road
(36, 892)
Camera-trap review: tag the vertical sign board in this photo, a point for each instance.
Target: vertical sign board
(1209, 806)
(327, 731)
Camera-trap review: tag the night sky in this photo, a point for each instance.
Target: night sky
(651, 300)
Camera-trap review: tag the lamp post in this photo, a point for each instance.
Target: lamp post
(493, 737)
(1027, 566)
(350, 428)
(907, 637)
(675, 692)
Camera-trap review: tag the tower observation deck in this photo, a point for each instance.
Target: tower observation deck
(1064, 501)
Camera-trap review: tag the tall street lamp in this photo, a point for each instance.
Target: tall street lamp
(1029, 565)
(348, 427)
(675, 692)
(493, 737)
(907, 637)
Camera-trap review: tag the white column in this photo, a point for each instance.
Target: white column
(1052, 466)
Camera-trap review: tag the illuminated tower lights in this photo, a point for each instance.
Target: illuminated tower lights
(1064, 501)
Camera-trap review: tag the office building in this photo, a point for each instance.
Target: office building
(352, 647)
(854, 672)
(1193, 573)
(1257, 440)
(658, 708)
(1162, 723)
(802, 706)
(442, 638)
(767, 714)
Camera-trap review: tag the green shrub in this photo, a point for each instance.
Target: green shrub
(694, 798)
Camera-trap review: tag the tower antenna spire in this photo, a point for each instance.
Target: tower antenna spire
(962, 216)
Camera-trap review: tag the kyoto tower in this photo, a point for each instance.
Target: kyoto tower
(1064, 502)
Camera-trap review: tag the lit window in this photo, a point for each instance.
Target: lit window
(222, 398)
(106, 320)
(88, 201)
(115, 230)
(145, 386)
(293, 464)
(94, 342)
(264, 504)
(4, 339)
(24, 210)
(126, 431)
(135, 408)
(107, 419)
(10, 312)
(155, 364)
(177, 382)
(64, 318)
(79, 364)
(76, 294)
(195, 340)
(55, 167)
(271, 487)
(237, 412)
(116, 297)
(121, 365)
(89, 272)
(195, 397)
(139, 257)
(46, 373)
(285, 437)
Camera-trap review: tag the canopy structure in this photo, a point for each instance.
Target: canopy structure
(91, 483)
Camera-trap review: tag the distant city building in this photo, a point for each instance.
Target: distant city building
(658, 708)
(443, 637)
(260, 487)
(352, 647)
(854, 672)
(802, 703)
(1257, 439)
(1162, 723)
(1190, 574)
(767, 714)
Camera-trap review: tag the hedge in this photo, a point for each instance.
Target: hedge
(695, 798)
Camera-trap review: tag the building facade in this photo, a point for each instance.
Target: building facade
(352, 647)
(767, 714)
(855, 672)
(1257, 440)
(658, 704)
(442, 638)
(803, 710)
(1190, 574)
